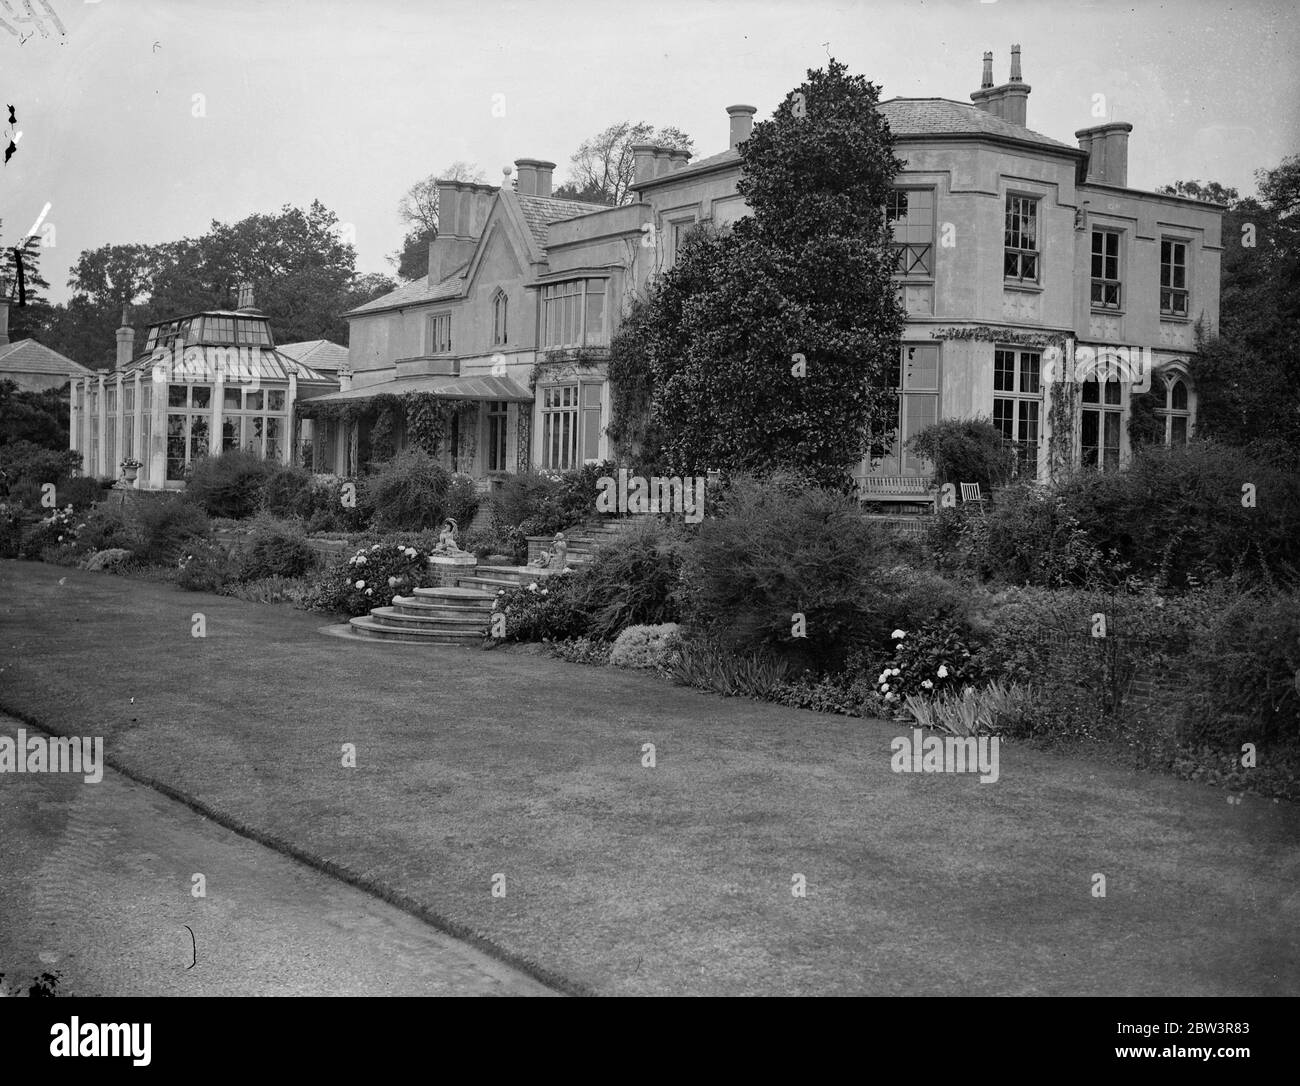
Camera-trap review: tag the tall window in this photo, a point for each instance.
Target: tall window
(1099, 425)
(1020, 260)
(440, 333)
(254, 420)
(1173, 278)
(1174, 412)
(497, 415)
(681, 230)
(573, 314)
(910, 213)
(918, 399)
(560, 427)
(500, 304)
(189, 418)
(1018, 403)
(1105, 269)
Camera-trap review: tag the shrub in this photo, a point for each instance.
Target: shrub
(206, 567)
(57, 529)
(25, 464)
(288, 492)
(545, 611)
(276, 549)
(106, 527)
(408, 493)
(162, 529)
(840, 694)
(81, 493)
(1178, 513)
(370, 578)
(965, 451)
(633, 580)
(229, 485)
(113, 559)
(462, 501)
(775, 553)
(11, 530)
(645, 646)
(926, 661)
(581, 650)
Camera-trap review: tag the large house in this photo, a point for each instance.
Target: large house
(1022, 263)
(1020, 258)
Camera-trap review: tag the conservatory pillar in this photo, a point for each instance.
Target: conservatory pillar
(216, 439)
(86, 466)
(118, 428)
(74, 419)
(157, 453)
(102, 420)
(137, 431)
(289, 439)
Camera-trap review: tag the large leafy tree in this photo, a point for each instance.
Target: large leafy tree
(418, 210)
(773, 347)
(302, 270)
(28, 320)
(1248, 374)
(602, 169)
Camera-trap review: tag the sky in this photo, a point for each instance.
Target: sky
(149, 119)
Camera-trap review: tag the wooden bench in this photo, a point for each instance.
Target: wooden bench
(896, 489)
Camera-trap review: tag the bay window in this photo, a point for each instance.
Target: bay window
(573, 314)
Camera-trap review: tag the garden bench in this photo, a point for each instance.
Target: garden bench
(895, 488)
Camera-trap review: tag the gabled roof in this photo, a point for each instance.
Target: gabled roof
(28, 356)
(944, 117)
(319, 354)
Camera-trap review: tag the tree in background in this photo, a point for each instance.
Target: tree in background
(38, 417)
(418, 209)
(601, 170)
(302, 270)
(774, 347)
(26, 321)
(1248, 374)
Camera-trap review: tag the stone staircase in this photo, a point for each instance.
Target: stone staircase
(436, 616)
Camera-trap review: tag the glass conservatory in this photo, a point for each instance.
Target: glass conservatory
(204, 384)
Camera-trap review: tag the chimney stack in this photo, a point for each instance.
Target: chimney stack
(1007, 102)
(463, 208)
(534, 176)
(1107, 148)
(643, 162)
(125, 343)
(742, 124)
(679, 160)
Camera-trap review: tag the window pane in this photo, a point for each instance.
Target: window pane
(253, 401)
(274, 436)
(253, 436)
(176, 395)
(1090, 392)
(1030, 364)
(1179, 396)
(201, 396)
(275, 400)
(231, 432)
(1179, 428)
(198, 436)
(230, 399)
(175, 447)
(1113, 392)
(596, 318)
(1004, 371)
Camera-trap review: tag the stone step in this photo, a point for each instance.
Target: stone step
(365, 626)
(489, 585)
(517, 574)
(452, 616)
(392, 616)
(449, 594)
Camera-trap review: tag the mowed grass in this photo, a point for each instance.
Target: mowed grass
(628, 880)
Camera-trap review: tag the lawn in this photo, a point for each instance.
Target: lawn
(626, 880)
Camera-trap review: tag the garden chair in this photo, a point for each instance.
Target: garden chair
(970, 493)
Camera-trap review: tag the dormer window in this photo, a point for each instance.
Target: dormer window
(500, 312)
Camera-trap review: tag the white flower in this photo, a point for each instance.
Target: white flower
(370, 591)
(882, 676)
(884, 686)
(392, 582)
(361, 584)
(897, 634)
(60, 539)
(361, 560)
(532, 586)
(891, 697)
(375, 547)
(943, 671)
(927, 684)
(895, 672)
(410, 552)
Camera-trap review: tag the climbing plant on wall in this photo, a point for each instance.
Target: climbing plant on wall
(1063, 397)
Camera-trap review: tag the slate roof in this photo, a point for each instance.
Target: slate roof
(943, 116)
(319, 354)
(28, 356)
(413, 293)
(541, 211)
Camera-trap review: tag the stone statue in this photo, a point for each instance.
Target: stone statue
(555, 557)
(447, 545)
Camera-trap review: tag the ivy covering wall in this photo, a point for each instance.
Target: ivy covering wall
(427, 418)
